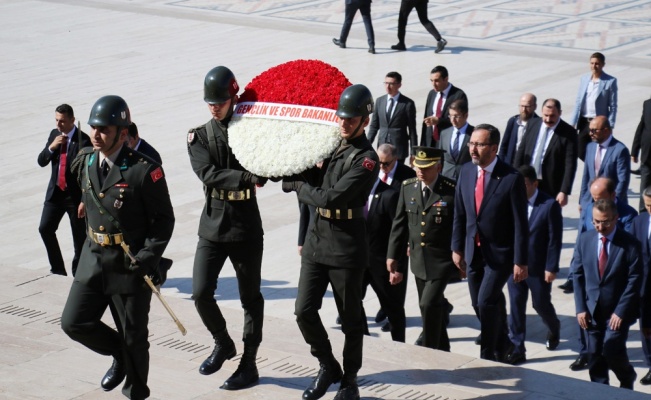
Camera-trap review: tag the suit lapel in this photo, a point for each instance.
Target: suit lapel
(533, 138)
(493, 182)
(396, 109)
(613, 253)
(609, 152)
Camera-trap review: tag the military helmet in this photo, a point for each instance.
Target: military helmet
(355, 101)
(219, 85)
(108, 111)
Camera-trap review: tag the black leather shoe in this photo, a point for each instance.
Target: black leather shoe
(338, 320)
(224, 350)
(399, 46)
(386, 327)
(419, 341)
(478, 340)
(380, 316)
(580, 363)
(371, 50)
(646, 379)
(515, 358)
(339, 43)
(552, 341)
(348, 391)
(328, 374)
(636, 172)
(246, 373)
(114, 376)
(440, 45)
(568, 286)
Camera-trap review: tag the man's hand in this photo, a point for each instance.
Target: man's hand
(550, 276)
(615, 322)
(292, 183)
(392, 265)
(57, 142)
(81, 210)
(634, 159)
(583, 319)
(561, 198)
(248, 177)
(520, 273)
(431, 120)
(460, 262)
(300, 250)
(395, 278)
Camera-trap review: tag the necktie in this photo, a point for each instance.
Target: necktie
(63, 159)
(597, 161)
(537, 162)
(479, 197)
(389, 109)
(385, 177)
(603, 256)
(103, 171)
(454, 149)
(426, 194)
(435, 129)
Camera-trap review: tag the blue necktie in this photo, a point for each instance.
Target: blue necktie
(454, 150)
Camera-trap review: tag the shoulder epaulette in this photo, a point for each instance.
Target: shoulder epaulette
(86, 150)
(409, 181)
(448, 182)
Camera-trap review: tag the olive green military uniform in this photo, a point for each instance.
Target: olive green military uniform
(230, 227)
(427, 230)
(336, 250)
(135, 193)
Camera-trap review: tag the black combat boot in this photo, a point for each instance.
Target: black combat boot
(348, 389)
(246, 373)
(329, 373)
(224, 350)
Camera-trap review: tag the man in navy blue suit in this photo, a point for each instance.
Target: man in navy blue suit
(515, 128)
(139, 144)
(640, 229)
(545, 242)
(607, 281)
(490, 235)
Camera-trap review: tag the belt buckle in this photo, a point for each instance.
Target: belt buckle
(102, 239)
(325, 213)
(239, 195)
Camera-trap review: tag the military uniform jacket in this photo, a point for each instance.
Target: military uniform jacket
(135, 194)
(425, 228)
(222, 220)
(340, 242)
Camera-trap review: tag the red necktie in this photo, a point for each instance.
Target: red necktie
(479, 196)
(435, 129)
(385, 178)
(603, 256)
(63, 158)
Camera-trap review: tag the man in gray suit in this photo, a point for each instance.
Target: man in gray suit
(394, 118)
(454, 140)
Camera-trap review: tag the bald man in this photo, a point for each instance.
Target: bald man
(515, 128)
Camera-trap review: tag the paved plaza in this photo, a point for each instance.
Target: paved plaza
(155, 54)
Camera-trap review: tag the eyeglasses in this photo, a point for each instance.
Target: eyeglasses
(385, 164)
(478, 145)
(606, 223)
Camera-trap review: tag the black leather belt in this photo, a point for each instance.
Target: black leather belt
(350, 213)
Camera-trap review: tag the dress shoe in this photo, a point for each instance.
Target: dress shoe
(399, 46)
(552, 341)
(246, 373)
(224, 350)
(114, 376)
(580, 363)
(339, 43)
(478, 340)
(371, 50)
(348, 390)
(338, 320)
(646, 379)
(568, 286)
(440, 45)
(419, 341)
(386, 327)
(329, 373)
(515, 358)
(636, 172)
(380, 316)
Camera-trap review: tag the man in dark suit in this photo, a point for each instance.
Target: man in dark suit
(642, 148)
(421, 9)
(549, 145)
(381, 206)
(139, 144)
(605, 157)
(63, 193)
(423, 223)
(640, 229)
(490, 235)
(127, 202)
(364, 7)
(515, 128)
(545, 243)
(394, 119)
(607, 281)
(454, 140)
(438, 102)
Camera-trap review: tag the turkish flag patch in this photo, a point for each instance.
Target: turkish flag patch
(156, 174)
(368, 164)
